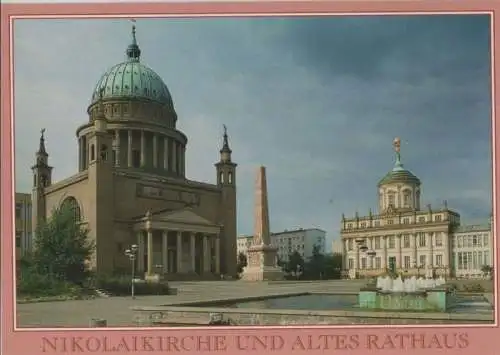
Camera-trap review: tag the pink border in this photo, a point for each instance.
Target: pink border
(28, 341)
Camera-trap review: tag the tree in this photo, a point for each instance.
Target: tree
(62, 247)
(332, 266)
(314, 268)
(295, 263)
(487, 270)
(242, 262)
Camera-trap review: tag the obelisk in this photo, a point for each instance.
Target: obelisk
(261, 255)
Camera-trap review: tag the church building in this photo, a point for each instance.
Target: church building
(131, 188)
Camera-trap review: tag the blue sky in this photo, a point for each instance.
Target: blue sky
(318, 101)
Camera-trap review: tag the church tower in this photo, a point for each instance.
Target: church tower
(100, 181)
(226, 180)
(42, 178)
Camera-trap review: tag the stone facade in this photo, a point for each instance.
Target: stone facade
(131, 188)
(176, 316)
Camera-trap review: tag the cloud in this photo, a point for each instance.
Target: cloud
(316, 100)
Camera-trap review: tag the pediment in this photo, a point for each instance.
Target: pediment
(185, 216)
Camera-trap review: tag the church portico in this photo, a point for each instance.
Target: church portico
(178, 242)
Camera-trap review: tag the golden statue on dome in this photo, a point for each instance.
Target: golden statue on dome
(397, 144)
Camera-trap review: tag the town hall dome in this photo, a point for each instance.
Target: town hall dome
(132, 79)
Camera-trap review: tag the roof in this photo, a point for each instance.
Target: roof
(132, 79)
(399, 174)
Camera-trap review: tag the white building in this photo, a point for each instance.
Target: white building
(472, 248)
(301, 240)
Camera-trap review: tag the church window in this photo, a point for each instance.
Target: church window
(71, 204)
(230, 178)
(92, 152)
(104, 152)
(136, 158)
(437, 218)
(221, 177)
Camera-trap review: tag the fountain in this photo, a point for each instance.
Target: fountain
(411, 294)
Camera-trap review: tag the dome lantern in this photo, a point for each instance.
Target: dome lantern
(133, 50)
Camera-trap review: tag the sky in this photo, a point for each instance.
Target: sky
(317, 100)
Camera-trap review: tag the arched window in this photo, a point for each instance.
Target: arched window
(391, 199)
(221, 177)
(406, 198)
(72, 204)
(92, 152)
(230, 178)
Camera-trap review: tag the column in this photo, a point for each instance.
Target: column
(206, 254)
(446, 251)
(399, 262)
(430, 245)
(129, 149)
(356, 257)
(165, 153)
(192, 251)
(370, 248)
(80, 154)
(183, 168)
(179, 252)
(143, 149)
(164, 251)
(117, 147)
(155, 150)
(174, 156)
(150, 252)
(84, 153)
(384, 257)
(345, 256)
(413, 244)
(140, 251)
(217, 254)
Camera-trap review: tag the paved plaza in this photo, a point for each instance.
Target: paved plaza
(116, 310)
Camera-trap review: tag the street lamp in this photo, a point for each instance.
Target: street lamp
(131, 254)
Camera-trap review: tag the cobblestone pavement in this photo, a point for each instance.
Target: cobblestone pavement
(116, 310)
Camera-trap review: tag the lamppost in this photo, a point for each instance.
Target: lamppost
(131, 253)
(360, 243)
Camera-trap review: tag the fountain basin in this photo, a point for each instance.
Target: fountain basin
(437, 299)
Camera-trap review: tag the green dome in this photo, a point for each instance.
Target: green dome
(399, 174)
(132, 80)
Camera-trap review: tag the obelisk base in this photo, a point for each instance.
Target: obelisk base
(262, 264)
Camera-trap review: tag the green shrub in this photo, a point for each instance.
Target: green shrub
(41, 285)
(121, 286)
